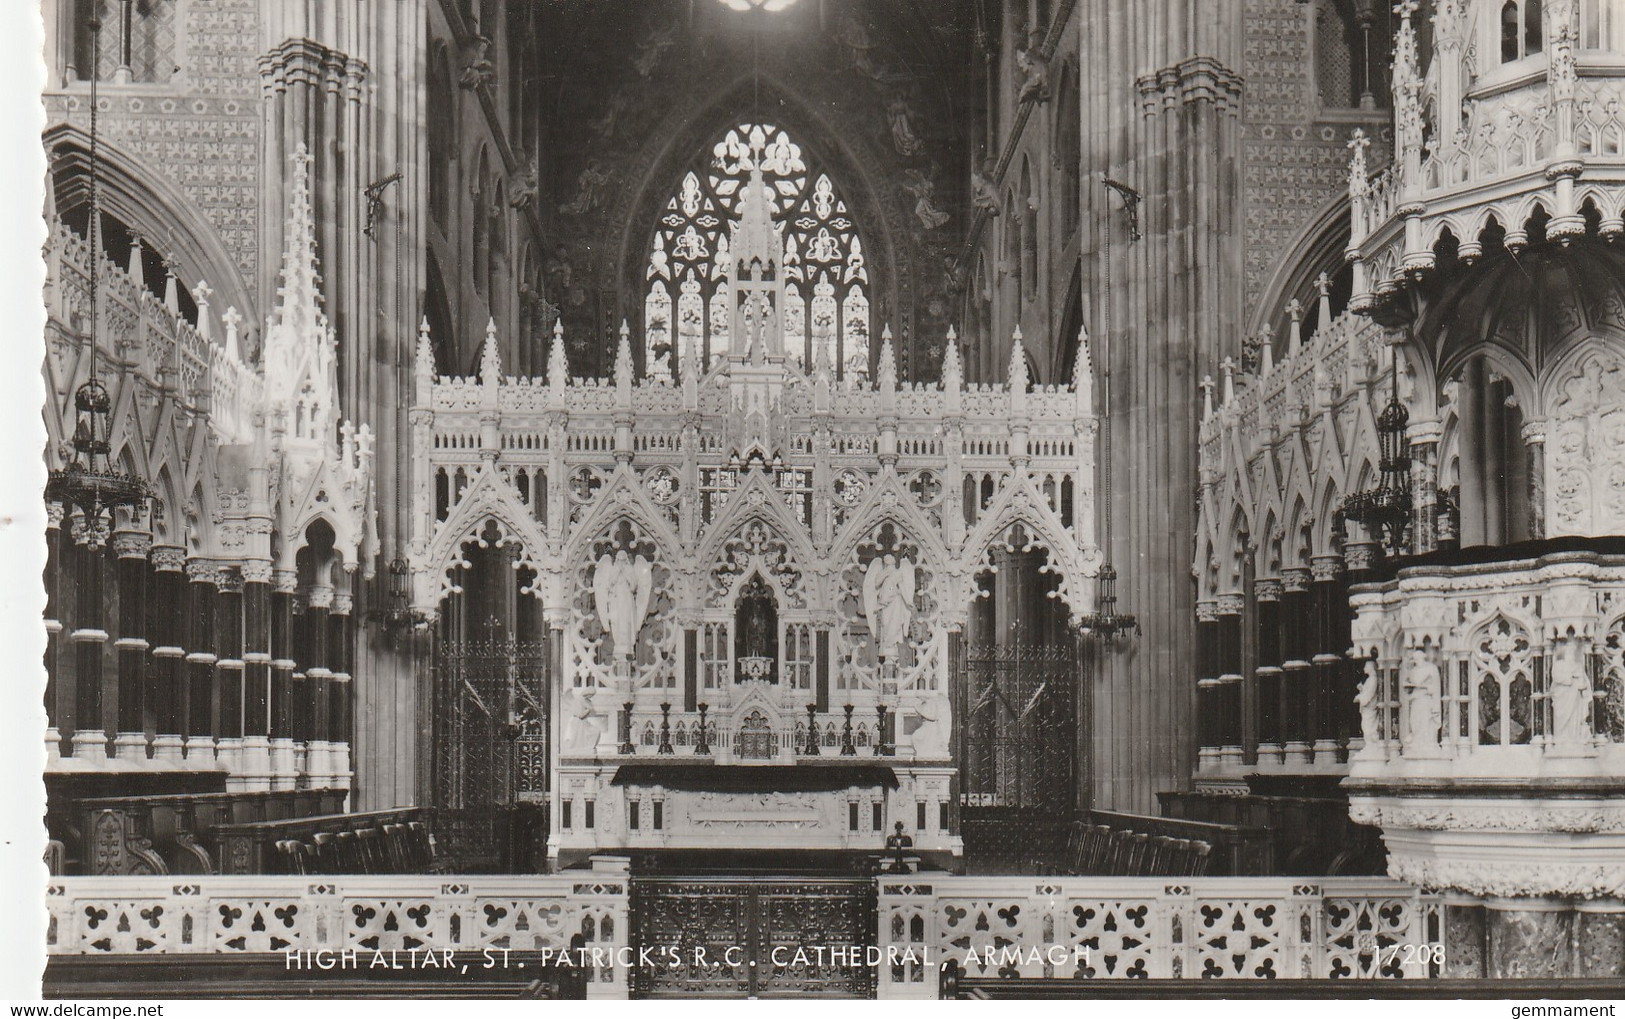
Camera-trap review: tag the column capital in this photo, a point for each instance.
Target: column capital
(1207, 611)
(1296, 579)
(1326, 568)
(1424, 433)
(319, 597)
(202, 571)
(54, 512)
(343, 603)
(132, 544)
(1534, 432)
(285, 581)
(1231, 603)
(256, 571)
(168, 558)
(230, 580)
(1361, 555)
(1267, 588)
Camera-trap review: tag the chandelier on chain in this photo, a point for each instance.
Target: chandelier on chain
(89, 483)
(1105, 621)
(1385, 511)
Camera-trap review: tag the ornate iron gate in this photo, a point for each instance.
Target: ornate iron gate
(1020, 726)
(754, 937)
(490, 745)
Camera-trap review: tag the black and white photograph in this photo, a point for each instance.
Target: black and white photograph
(1102, 501)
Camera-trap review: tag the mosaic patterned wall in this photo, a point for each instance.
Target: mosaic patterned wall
(200, 131)
(1295, 157)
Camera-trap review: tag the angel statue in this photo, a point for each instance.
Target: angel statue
(888, 602)
(924, 190)
(621, 585)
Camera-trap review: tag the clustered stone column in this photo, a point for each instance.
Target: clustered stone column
(1330, 696)
(229, 670)
(167, 616)
(157, 660)
(89, 640)
(53, 631)
(1207, 684)
(1227, 693)
(1296, 614)
(1267, 595)
(256, 773)
(200, 661)
(1423, 437)
(1534, 440)
(132, 549)
(284, 584)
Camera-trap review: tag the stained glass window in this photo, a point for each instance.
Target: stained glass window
(827, 286)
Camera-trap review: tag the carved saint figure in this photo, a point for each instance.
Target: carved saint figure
(1035, 70)
(1366, 699)
(1571, 695)
(901, 117)
(621, 585)
(984, 193)
(1422, 712)
(584, 724)
(931, 735)
(888, 602)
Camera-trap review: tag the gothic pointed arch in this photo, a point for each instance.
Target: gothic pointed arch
(858, 172)
(620, 497)
(827, 283)
(153, 208)
(1020, 512)
(487, 499)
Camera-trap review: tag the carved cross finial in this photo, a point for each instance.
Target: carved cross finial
(1018, 363)
(1323, 284)
(952, 370)
(623, 359)
(1083, 374)
(558, 367)
(231, 320)
(1358, 174)
(425, 352)
(1294, 308)
(491, 356)
(886, 367)
(201, 293)
(1207, 386)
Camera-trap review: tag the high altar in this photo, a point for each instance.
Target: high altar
(754, 575)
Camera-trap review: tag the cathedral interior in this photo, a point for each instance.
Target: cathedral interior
(1137, 479)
